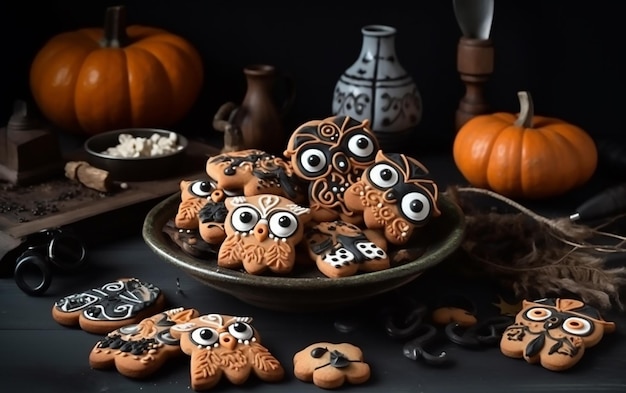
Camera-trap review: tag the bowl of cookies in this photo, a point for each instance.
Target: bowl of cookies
(332, 222)
(137, 154)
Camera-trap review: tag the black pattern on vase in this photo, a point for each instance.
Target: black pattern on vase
(377, 88)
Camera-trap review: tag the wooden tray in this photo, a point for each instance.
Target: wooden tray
(61, 201)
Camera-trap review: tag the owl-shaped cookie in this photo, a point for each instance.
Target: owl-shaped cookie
(262, 233)
(194, 194)
(331, 155)
(394, 195)
(554, 332)
(252, 172)
(228, 346)
(341, 249)
(139, 350)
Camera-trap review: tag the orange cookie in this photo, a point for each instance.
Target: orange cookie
(341, 249)
(331, 154)
(554, 332)
(113, 305)
(225, 346)
(194, 194)
(138, 350)
(262, 233)
(395, 195)
(330, 365)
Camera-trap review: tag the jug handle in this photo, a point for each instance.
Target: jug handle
(222, 121)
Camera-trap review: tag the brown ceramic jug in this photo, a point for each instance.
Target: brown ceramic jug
(258, 122)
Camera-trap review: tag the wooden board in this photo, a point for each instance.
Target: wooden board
(60, 201)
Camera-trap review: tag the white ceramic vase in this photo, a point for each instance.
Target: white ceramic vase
(376, 87)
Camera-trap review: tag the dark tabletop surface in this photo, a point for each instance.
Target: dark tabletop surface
(39, 355)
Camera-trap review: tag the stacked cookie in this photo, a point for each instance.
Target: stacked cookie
(335, 197)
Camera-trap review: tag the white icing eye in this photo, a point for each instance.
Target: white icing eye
(204, 336)
(361, 145)
(578, 326)
(416, 206)
(244, 218)
(313, 161)
(231, 192)
(241, 331)
(538, 314)
(383, 175)
(201, 189)
(283, 224)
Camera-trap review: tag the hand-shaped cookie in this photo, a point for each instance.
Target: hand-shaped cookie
(224, 345)
(262, 232)
(330, 365)
(138, 350)
(111, 306)
(554, 332)
(341, 249)
(395, 195)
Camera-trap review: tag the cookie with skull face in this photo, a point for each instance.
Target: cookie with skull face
(139, 350)
(331, 155)
(262, 233)
(395, 195)
(554, 332)
(224, 346)
(330, 365)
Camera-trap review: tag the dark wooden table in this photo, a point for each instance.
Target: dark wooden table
(39, 355)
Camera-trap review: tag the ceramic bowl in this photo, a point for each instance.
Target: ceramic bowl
(307, 289)
(138, 168)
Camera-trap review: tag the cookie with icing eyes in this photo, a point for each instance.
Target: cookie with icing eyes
(225, 346)
(331, 155)
(330, 365)
(110, 306)
(139, 350)
(252, 172)
(341, 249)
(194, 194)
(394, 195)
(554, 332)
(262, 233)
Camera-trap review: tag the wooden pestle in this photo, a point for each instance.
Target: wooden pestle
(475, 65)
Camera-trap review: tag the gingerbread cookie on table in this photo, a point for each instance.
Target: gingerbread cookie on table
(341, 249)
(331, 154)
(554, 332)
(262, 233)
(330, 365)
(394, 195)
(109, 307)
(139, 350)
(225, 346)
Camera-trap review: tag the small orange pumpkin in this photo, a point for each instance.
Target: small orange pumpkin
(93, 80)
(524, 156)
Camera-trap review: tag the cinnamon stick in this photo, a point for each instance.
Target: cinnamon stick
(90, 176)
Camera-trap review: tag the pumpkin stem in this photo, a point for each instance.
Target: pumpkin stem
(115, 28)
(526, 111)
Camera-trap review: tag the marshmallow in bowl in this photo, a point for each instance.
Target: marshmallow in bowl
(133, 147)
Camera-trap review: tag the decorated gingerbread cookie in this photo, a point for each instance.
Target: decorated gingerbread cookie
(262, 232)
(330, 365)
(211, 219)
(225, 346)
(109, 307)
(194, 194)
(331, 155)
(341, 249)
(554, 332)
(139, 350)
(394, 195)
(252, 172)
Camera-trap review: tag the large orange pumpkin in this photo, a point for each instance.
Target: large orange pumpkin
(524, 156)
(93, 80)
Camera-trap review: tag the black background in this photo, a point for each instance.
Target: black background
(568, 54)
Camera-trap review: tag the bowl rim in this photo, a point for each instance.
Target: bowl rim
(182, 141)
(190, 264)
